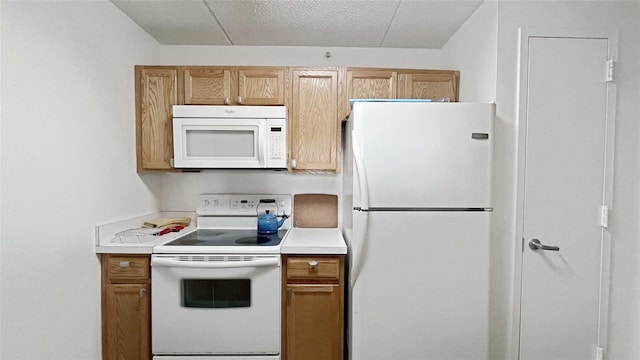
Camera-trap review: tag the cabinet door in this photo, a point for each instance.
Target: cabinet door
(428, 85)
(314, 121)
(371, 84)
(314, 322)
(128, 322)
(261, 86)
(157, 93)
(207, 86)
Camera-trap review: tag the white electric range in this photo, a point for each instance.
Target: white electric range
(217, 289)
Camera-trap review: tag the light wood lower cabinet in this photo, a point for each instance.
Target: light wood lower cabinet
(313, 307)
(126, 307)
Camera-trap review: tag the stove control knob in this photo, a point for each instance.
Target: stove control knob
(214, 203)
(205, 203)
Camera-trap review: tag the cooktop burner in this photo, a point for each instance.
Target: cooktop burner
(206, 237)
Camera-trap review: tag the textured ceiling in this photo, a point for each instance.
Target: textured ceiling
(353, 23)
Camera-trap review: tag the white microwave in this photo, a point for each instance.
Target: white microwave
(230, 137)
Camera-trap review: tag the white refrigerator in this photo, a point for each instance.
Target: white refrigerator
(417, 204)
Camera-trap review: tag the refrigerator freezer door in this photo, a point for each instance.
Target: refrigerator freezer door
(422, 291)
(424, 155)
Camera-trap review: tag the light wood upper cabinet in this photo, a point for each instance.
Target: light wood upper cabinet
(156, 93)
(371, 84)
(261, 86)
(211, 85)
(428, 84)
(314, 120)
(378, 83)
(317, 100)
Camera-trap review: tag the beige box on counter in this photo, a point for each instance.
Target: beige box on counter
(315, 210)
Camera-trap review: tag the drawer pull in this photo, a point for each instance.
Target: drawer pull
(313, 263)
(125, 264)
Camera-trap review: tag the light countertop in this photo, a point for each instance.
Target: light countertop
(311, 241)
(314, 241)
(127, 237)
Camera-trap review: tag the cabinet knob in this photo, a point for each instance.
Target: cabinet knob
(293, 163)
(226, 100)
(143, 292)
(124, 264)
(240, 100)
(313, 263)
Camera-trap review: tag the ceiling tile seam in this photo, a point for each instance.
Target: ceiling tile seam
(393, 18)
(213, 14)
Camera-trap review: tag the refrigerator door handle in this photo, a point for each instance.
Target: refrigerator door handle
(358, 247)
(362, 175)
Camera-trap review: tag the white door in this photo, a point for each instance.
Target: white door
(564, 189)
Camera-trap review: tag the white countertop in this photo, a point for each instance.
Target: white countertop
(314, 241)
(107, 239)
(311, 241)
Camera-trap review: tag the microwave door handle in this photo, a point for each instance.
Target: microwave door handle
(262, 134)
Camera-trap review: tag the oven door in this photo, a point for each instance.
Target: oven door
(219, 143)
(216, 305)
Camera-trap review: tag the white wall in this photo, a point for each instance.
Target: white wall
(300, 56)
(473, 51)
(68, 164)
(624, 310)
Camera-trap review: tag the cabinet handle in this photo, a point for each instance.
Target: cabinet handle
(226, 100)
(293, 163)
(313, 263)
(125, 263)
(240, 100)
(143, 292)
(289, 291)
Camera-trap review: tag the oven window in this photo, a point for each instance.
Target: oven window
(218, 293)
(221, 143)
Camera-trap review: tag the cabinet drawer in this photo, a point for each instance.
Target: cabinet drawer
(128, 267)
(313, 268)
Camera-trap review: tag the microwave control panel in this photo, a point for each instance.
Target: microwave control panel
(277, 143)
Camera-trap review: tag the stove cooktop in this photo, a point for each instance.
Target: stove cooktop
(215, 241)
(227, 224)
(213, 237)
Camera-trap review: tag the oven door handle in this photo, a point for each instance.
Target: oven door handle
(168, 262)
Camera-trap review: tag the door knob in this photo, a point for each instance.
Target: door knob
(535, 244)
